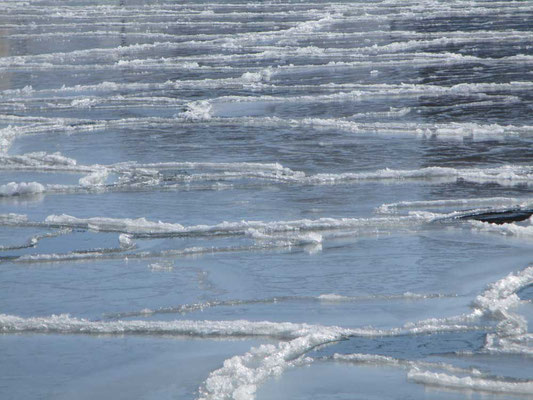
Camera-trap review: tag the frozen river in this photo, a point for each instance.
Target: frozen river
(265, 200)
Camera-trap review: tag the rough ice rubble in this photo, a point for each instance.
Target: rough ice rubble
(202, 111)
(496, 302)
(240, 376)
(208, 37)
(66, 324)
(415, 57)
(130, 172)
(7, 135)
(13, 219)
(37, 161)
(421, 130)
(21, 188)
(522, 230)
(96, 178)
(197, 111)
(521, 344)
(267, 235)
(512, 229)
(503, 175)
(36, 188)
(126, 241)
(448, 131)
(126, 225)
(295, 238)
(430, 9)
(500, 298)
(264, 76)
(142, 226)
(360, 92)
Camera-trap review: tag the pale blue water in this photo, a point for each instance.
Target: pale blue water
(173, 174)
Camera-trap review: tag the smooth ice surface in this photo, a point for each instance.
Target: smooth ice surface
(110, 367)
(271, 200)
(341, 380)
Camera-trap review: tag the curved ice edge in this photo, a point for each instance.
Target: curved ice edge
(65, 324)
(324, 298)
(406, 51)
(264, 76)
(35, 239)
(375, 359)
(266, 235)
(517, 344)
(469, 383)
(142, 227)
(135, 176)
(126, 246)
(240, 375)
(496, 302)
(425, 373)
(259, 230)
(418, 130)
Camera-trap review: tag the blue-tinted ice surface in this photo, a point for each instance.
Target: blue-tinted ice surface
(238, 200)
